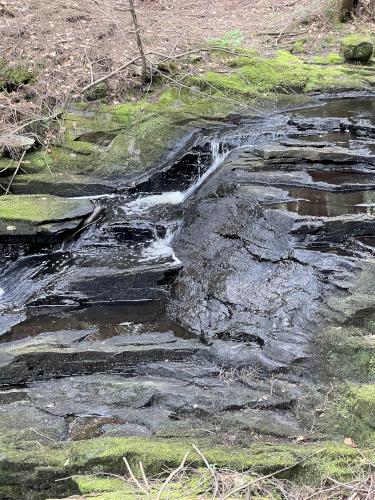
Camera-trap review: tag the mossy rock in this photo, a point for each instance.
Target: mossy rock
(255, 77)
(357, 48)
(31, 214)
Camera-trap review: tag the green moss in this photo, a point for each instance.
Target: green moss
(108, 141)
(357, 47)
(355, 38)
(81, 147)
(11, 77)
(331, 58)
(231, 39)
(284, 73)
(36, 208)
(351, 414)
(109, 487)
(337, 347)
(32, 466)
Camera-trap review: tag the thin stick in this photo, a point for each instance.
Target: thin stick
(144, 476)
(139, 40)
(113, 73)
(262, 478)
(134, 478)
(172, 475)
(209, 467)
(15, 173)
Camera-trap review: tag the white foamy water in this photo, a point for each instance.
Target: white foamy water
(94, 197)
(142, 204)
(161, 248)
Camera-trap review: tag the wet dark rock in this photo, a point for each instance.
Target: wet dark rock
(71, 353)
(317, 123)
(265, 422)
(307, 153)
(235, 294)
(361, 128)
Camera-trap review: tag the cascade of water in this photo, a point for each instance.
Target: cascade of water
(161, 247)
(144, 203)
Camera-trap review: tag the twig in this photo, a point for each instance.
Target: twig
(139, 40)
(113, 73)
(209, 467)
(144, 476)
(172, 475)
(15, 173)
(43, 118)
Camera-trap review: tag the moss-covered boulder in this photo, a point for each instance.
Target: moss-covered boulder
(29, 215)
(357, 48)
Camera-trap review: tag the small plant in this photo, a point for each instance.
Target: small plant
(231, 39)
(298, 46)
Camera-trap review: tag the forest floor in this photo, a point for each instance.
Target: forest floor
(68, 43)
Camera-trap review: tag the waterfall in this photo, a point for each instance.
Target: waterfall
(161, 247)
(144, 203)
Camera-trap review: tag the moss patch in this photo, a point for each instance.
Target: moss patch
(285, 73)
(112, 141)
(41, 208)
(12, 77)
(331, 58)
(351, 414)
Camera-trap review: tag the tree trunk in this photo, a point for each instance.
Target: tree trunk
(345, 9)
(138, 37)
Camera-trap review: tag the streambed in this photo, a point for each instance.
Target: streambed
(193, 306)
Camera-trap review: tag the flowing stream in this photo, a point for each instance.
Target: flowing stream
(194, 303)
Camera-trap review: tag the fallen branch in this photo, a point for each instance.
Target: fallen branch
(113, 73)
(36, 120)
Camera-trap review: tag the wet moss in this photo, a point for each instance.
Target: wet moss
(81, 147)
(110, 488)
(37, 208)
